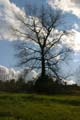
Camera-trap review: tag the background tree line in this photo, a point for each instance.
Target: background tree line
(20, 86)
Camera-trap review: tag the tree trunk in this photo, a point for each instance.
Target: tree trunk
(43, 71)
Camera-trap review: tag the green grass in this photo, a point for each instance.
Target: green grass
(39, 107)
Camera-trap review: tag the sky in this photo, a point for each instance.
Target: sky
(71, 15)
(7, 54)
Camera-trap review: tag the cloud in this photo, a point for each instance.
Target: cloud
(71, 18)
(4, 69)
(10, 73)
(68, 82)
(77, 2)
(7, 73)
(31, 76)
(7, 18)
(70, 5)
(7, 10)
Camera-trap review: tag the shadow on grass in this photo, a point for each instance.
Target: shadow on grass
(5, 114)
(9, 115)
(34, 98)
(67, 102)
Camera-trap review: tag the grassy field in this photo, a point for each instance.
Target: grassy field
(39, 107)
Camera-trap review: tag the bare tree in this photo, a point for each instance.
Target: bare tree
(41, 47)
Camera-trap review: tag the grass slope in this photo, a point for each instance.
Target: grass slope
(39, 107)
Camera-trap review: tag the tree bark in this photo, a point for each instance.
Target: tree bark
(43, 70)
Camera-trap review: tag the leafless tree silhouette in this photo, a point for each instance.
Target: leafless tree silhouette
(41, 47)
